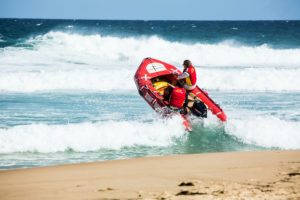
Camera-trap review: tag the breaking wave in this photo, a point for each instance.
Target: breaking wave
(267, 131)
(63, 61)
(85, 137)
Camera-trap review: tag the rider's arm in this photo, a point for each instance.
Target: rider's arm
(183, 75)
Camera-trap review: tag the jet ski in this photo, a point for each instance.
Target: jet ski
(154, 76)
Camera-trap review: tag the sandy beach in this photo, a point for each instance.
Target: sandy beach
(238, 175)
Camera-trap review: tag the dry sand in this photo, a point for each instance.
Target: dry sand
(239, 175)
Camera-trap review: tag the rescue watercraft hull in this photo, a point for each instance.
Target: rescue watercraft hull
(151, 70)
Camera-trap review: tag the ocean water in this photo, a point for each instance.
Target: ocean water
(67, 93)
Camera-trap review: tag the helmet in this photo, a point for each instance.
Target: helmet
(187, 63)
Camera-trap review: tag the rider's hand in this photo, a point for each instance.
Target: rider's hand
(175, 73)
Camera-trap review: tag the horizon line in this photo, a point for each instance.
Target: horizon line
(107, 19)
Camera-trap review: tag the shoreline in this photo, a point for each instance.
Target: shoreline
(230, 175)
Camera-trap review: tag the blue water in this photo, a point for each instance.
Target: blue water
(280, 34)
(67, 93)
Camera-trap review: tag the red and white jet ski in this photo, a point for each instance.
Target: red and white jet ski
(153, 76)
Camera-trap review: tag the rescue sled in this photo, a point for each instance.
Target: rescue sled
(154, 76)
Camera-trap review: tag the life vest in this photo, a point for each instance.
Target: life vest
(177, 97)
(160, 86)
(192, 79)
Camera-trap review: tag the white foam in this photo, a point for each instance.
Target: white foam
(242, 79)
(58, 61)
(250, 79)
(266, 131)
(93, 80)
(111, 51)
(89, 136)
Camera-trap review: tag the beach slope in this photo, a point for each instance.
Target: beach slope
(237, 175)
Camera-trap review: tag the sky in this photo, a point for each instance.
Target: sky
(152, 9)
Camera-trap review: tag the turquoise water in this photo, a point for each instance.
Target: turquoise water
(67, 93)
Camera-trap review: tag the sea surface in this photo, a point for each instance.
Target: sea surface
(67, 93)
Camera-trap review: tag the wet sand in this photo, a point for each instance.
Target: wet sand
(238, 175)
